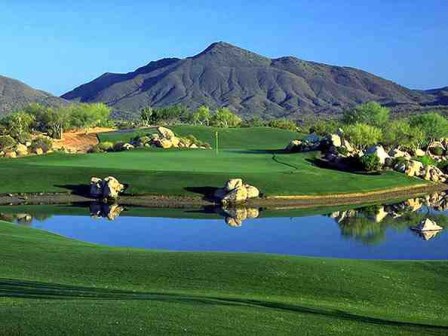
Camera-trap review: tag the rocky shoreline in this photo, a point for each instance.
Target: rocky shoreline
(292, 201)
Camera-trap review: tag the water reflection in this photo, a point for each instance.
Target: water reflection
(105, 210)
(369, 224)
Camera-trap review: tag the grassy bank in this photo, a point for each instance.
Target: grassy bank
(258, 160)
(52, 285)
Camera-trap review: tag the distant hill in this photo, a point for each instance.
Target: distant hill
(15, 94)
(250, 84)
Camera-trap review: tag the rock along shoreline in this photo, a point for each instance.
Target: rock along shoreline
(290, 201)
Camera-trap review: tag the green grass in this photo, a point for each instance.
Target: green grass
(229, 138)
(259, 161)
(187, 172)
(51, 285)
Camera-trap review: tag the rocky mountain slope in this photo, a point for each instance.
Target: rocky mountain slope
(250, 84)
(15, 94)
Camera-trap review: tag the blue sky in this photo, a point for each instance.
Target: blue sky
(58, 45)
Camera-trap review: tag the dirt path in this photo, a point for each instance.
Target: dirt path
(80, 141)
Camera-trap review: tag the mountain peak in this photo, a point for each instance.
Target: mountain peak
(223, 52)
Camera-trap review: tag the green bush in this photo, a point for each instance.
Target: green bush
(370, 162)
(6, 142)
(106, 146)
(283, 124)
(426, 160)
(42, 142)
(437, 151)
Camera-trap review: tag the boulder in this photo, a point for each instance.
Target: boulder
(252, 192)
(335, 140)
(39, 151)
(348, 146)
(21, 150)
(96, 187)
(233, 184)
(419, 152)
(233, 222)
(293, 146)
(396, 153)
(175, 141)
(235, 196)
(427, 225)
(107, 188)
(194, 146)
(253, 213)
(220, 193)
(413, 168)
(313, 137)
(166, 132)
(127, 146)
(163, 143)
(10, 155)
(379, 152)
(111, 187)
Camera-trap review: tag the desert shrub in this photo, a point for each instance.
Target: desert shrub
(42, 142)
(283, 124)
(106, 146)
(6, 142)
(370, 162)
(426, 160)
(437, 151)
(370, 113)
(363, 135)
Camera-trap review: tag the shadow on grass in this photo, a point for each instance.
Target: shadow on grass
(13, 288)
(206, 192)
(82, 189)
(341, 167)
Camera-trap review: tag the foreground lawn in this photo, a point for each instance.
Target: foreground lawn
(51, 285)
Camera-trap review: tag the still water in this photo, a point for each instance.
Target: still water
(381, 231)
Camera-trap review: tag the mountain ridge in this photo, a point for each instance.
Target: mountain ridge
(250, 84)
(15, 94)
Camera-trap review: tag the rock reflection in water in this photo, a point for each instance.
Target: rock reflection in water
(235, 216)
(369, 224)
(105, 210)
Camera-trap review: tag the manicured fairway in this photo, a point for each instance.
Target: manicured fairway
(188, 172)
(229, 138)
(51, 285)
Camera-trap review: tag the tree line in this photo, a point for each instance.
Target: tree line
(53, 120)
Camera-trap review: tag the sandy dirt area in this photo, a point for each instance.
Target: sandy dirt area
(80, 141)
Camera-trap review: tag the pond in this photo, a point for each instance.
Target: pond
(378, 231)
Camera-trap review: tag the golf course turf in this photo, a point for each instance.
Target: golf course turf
(253, 154)
(52, 285)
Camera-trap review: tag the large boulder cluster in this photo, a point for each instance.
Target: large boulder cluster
(339, 152)
(27, 148)
(235, 191)
(108, 188)
(164, 138)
